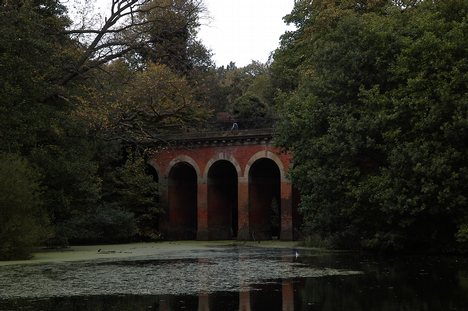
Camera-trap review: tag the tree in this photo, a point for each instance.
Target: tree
(73, 99)
(37, 118)
(130, 188)
(246, 93)
(170, 33)
(137, 107)
(424, 128)
(169, 36)
(141, 31)
(372, 105)
(23, 222)
(249, 111)
(71, 181)
(33, 51)
(108, 39)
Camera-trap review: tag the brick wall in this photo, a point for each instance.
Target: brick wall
(237, 157)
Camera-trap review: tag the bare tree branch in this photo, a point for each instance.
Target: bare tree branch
(123, 17)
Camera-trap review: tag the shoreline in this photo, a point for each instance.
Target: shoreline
(130, 250)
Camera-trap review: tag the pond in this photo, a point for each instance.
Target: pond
(233, 277)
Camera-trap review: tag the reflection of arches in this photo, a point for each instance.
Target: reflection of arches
(222, 200)
(182, 199)
(264, 199)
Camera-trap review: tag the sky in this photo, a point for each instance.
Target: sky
(237, 30)
(244, 30)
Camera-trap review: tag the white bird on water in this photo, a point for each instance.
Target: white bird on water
(296, 254)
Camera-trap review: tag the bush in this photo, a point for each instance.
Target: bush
(23, 223)
(129, 188)
(462, 237)
(104, 225)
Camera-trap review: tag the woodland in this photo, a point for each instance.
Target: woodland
(370, 97)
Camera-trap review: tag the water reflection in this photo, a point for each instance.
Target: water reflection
(406, 283)
(288, 295)
(273, 296)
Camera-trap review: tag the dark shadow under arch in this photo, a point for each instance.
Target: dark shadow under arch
(264, 200)
(182, 196)
(222, 200)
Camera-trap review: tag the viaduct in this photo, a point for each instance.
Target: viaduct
(225, 185)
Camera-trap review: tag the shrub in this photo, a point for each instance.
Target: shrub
(23, 223)
(104, 225)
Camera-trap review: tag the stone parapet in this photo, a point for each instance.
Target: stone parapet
(212, 138)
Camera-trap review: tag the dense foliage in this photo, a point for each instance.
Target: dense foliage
(245, 93)
(374, 105)
(81, 100)
(77, 108)
(23, 222)
(371, 95)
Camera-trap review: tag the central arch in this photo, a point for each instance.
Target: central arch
(265, 199)
(222, 200)
(182, 196)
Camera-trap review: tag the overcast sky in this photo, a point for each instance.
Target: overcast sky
(244, 30)
(237, 30)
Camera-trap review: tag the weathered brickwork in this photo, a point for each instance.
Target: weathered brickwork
(231, 184)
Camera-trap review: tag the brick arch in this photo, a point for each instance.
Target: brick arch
(240, 149)
(222, 156)
(222, 179)
(182, 177)
(266, 154)
(180, 159)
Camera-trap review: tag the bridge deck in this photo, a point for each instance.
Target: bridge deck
(214, 137)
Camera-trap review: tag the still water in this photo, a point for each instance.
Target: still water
(241, 279)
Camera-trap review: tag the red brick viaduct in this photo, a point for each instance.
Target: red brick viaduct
(225, 185)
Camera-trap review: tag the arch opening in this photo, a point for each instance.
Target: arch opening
(182, 196)
(222, 200)
(265, 200)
